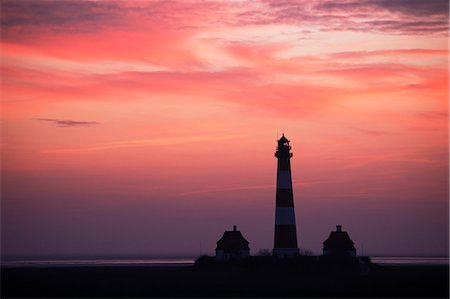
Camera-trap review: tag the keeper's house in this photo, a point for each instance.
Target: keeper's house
(232, 246)
(339, 244)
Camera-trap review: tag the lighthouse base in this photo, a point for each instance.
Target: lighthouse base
(285, 252)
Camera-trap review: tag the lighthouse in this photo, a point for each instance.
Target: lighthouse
(285, 244)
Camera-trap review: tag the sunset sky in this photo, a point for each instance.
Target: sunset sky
(149, 127)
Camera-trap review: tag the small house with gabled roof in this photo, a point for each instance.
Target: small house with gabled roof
(232, 246)
(339, 244)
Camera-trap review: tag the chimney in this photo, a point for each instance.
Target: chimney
(234, 228)
(338, 228)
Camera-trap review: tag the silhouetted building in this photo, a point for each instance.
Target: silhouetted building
(232, 246)
(339, 244)
(285, 243)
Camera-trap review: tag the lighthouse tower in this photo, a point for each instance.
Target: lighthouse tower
(285, 233)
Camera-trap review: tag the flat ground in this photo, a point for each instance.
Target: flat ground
(392, 282)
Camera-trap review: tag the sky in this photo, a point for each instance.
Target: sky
(149, 127)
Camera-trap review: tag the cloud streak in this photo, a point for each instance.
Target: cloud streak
(409, 8)
(398, 17)
(138, 143)
(68, 123)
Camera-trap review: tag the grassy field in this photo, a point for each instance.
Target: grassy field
(230, 281)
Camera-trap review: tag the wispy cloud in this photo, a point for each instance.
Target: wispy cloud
(356, 161)
(389, 52)
(253, 187)
(59, 15)
(373, 132)
(398, 17)
(228, 189)
(139, 142)
(408, 8)
(68, 122)
(393, 16)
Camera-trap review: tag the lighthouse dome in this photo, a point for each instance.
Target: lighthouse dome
(283, 139)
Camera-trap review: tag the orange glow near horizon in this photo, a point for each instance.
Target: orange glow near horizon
(166, 114)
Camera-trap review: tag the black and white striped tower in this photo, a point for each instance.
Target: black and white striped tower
(285, 231)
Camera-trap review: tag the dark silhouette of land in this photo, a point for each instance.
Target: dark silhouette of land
(262, 278)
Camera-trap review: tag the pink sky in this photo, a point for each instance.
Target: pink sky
(149, 127)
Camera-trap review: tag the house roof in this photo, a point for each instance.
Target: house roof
(338, 240)
(232, 240)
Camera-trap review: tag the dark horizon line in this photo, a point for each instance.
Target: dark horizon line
(5, 257)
